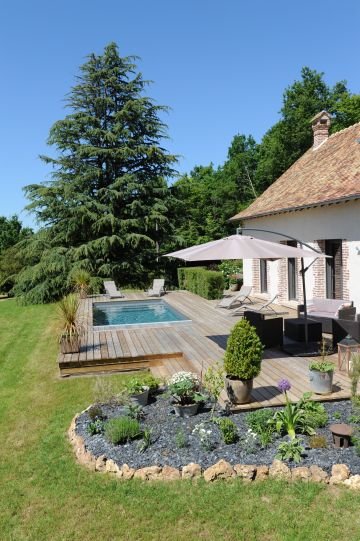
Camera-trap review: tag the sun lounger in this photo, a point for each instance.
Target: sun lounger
(240, 297)
(111, 291)
(157, 289)
(264, 308)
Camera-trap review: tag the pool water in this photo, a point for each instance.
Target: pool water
(130, 313)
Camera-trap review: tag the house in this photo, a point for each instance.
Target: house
(317, 200)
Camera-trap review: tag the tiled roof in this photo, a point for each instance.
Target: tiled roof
(328, 174)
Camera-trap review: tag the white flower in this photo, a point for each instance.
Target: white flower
(184, 376)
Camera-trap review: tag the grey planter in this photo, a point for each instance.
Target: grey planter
(186, 411)
(321, 382)
(141, 398)
(238, 390)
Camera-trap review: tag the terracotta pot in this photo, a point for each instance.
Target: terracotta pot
(141, 398)
(186, 411)
(70, 345)
(238, 390)
(321, 382)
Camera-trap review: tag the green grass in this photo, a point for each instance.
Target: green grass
(45, 495)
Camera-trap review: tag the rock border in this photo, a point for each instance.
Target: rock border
(340, 473)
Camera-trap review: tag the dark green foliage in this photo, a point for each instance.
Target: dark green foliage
(262, 423)
(96, 427)
(290, 450)
(317, 442)
(315, 413)
(95, 412)
(11, 234)
(151, 381)
(228, 429)
(134, 411)
(243, 352)
(122, 429)
(206, 283)
(181, 439)
(230, 268)
(107, 207)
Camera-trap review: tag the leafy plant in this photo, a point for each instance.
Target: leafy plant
(354, 373)
(292, 418)
(315, 413)
(151, 382)
(183, 387)
(228, 429)
(317, 442)
(322, 366)
(290, 450)
(80, 279)
(262, 423)
(95, 412)
(355, 440)
(136, 386)
(145, 444)
(205, 436)
(96, 427)
(336, 415)
(354, 419)
(122, 429)
(67, 315)
(250, 441)
(243, 352)
(181, 439)
(134, 411)
(214, 383)
(228, 268)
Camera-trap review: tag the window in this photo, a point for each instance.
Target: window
(263, 276)
(292, 279)
(334, 269)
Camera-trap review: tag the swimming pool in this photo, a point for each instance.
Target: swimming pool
(128, 314)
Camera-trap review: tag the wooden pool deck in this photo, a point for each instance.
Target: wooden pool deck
(194, 346)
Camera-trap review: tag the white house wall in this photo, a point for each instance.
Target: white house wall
(340, 221)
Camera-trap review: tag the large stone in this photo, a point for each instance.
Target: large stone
(245, 472)
(339, 473)
(191, 471)
(100, 463)
(170, 474)
(262, 473)
(220, 470)
(318, 475)
(127, 472)
(301, 473)
(353, 482)
(112, 467)
(279, 470)
(150, 473)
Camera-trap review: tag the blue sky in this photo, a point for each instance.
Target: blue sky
(220, 66)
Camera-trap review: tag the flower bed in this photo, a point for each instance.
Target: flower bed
(176, 441)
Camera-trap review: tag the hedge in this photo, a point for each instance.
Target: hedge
(207, 284)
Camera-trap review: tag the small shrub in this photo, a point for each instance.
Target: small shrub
(205, 283)
(336, 415)
(355, 440)
(262, 423)
(122, 429)
(96, 427)
(134, 411)
(228, 429)
(317, 442)
(250, 442)
(136, 386)
(315, 413)
(354, 419)
(290, 450)
(95, 412)
(145, 444)
(152, 382)
(214, 383)
(180, 439)
(322, 366)
(243, 352)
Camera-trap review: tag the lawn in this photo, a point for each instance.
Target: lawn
(45, 495)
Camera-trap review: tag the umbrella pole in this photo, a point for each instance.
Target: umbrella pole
(306, 328)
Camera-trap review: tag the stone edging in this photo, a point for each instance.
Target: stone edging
(340, 473)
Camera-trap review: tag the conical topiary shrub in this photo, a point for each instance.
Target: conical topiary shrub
(242, 361)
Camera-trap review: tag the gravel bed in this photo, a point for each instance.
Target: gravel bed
(161, 419)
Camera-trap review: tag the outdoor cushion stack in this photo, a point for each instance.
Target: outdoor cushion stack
(326, 310)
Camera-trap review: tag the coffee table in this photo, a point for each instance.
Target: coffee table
(295, 329)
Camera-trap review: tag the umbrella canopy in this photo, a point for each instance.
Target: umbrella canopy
(241, 247)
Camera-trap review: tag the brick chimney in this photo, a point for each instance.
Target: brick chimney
(320, 125)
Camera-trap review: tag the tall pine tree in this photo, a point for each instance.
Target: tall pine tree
(106, 207)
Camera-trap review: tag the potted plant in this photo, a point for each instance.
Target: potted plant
(81, 281)
(184, 390)
(321, 376)
(234, 282)
(138, 391)
(242, 361)
(71, 327)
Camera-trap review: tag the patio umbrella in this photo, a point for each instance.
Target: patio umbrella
(241, 247)
(246, 247)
